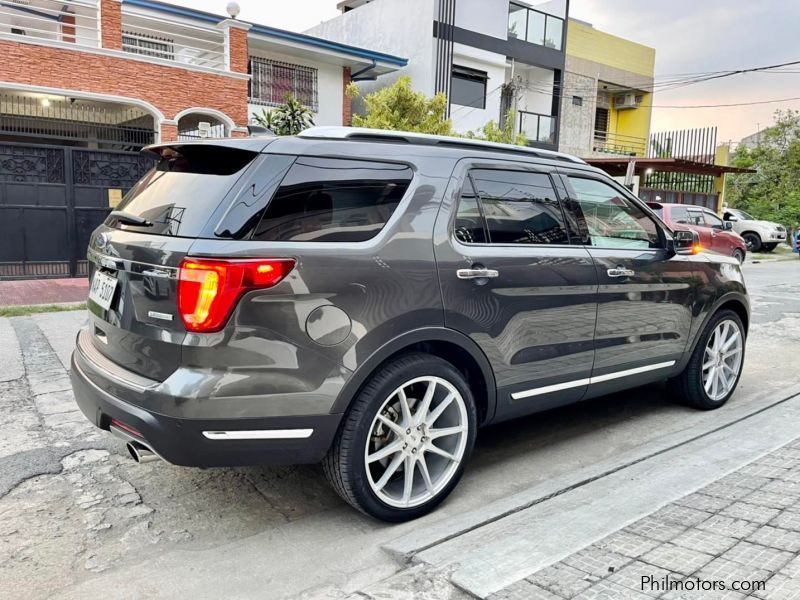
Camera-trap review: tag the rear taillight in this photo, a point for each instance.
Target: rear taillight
(208, 290)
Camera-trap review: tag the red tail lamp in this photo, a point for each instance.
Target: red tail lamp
(208, 290)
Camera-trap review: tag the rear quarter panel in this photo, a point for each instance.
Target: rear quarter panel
(351, 297)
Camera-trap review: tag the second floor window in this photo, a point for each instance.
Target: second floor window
(272, 82)
(534, 26)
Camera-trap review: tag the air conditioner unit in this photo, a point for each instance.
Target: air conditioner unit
(623, 101)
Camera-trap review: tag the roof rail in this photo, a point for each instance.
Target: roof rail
(386, 135)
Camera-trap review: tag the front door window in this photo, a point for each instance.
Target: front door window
(613, 220)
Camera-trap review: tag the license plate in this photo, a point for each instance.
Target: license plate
(102, 290)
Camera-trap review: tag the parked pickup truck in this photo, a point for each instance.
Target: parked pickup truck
(758, 235)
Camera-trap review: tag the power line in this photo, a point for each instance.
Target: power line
(726, 105)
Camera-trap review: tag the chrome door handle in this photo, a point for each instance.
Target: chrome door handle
(477, 273)
(619, 272)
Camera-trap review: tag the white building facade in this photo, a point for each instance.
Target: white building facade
(487, 56)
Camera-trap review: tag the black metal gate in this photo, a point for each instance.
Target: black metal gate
(51, 199)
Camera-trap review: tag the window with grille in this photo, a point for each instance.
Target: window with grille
(272, 82)
(147, 45)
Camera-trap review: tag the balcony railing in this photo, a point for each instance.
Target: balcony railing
(537, 127)
(171, 40)
(68, 21)
(614, 143)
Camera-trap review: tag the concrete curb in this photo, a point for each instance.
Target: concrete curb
(405, 548)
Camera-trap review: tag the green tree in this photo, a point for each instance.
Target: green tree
(507, 134)
(288, 119)
(773, 192)
(399, 107)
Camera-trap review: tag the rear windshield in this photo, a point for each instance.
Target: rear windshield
(184, 188)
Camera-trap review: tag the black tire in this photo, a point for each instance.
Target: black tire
(688, 386)
(738, 255)
(344, 465)
(768, 247)
(753, 241)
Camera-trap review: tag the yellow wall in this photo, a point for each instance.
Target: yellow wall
(631, 62)
(584, 41)
(633, 121)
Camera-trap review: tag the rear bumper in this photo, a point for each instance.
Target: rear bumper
(205, 442)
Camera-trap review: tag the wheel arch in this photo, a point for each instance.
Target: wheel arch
(455, 347)
(734, 301)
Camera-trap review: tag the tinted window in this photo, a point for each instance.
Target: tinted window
(332, 200)
(188, 183)
(520, 207)
(679, 214)
(468, 87)
(695, 217)
(469, 225)
(613, 220)
(712, 220)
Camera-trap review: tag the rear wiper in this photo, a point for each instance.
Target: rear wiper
(120, 216)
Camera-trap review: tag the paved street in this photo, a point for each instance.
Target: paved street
(538, 510)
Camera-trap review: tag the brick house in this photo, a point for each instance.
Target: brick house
(84, 84)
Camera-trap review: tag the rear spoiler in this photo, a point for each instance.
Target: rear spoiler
(248, 144)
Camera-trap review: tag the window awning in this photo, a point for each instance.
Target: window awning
(618, 167)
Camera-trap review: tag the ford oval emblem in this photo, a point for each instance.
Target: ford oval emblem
(102, 240)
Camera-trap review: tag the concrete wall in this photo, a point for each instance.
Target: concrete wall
(489, 17)
(329, 87)
(467, 118)
(400, 27)
(537, 84)
(577, 122)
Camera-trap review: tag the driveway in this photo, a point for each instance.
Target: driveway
(79, 519)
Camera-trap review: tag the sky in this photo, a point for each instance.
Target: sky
(689, 36)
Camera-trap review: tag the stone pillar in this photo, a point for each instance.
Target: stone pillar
(169, 132)
(68, 28)
(347, 103)
(236, 55)
(111, 24)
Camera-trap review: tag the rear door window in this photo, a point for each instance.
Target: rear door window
(333, 200)
(470, 226)
(520, 207)
(184, 188)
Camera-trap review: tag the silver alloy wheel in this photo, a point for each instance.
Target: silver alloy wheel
(416, 442)
(722, 360)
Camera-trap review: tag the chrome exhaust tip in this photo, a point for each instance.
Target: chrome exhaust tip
(140, 453)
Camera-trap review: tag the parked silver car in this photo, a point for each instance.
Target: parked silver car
(758, 235)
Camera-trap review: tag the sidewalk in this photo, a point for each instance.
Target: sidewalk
(43, 291)
(741, 530)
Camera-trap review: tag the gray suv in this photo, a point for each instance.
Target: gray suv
(369, 299)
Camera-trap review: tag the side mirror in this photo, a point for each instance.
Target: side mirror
(686, 242)
(730, 217)
(728, 225)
